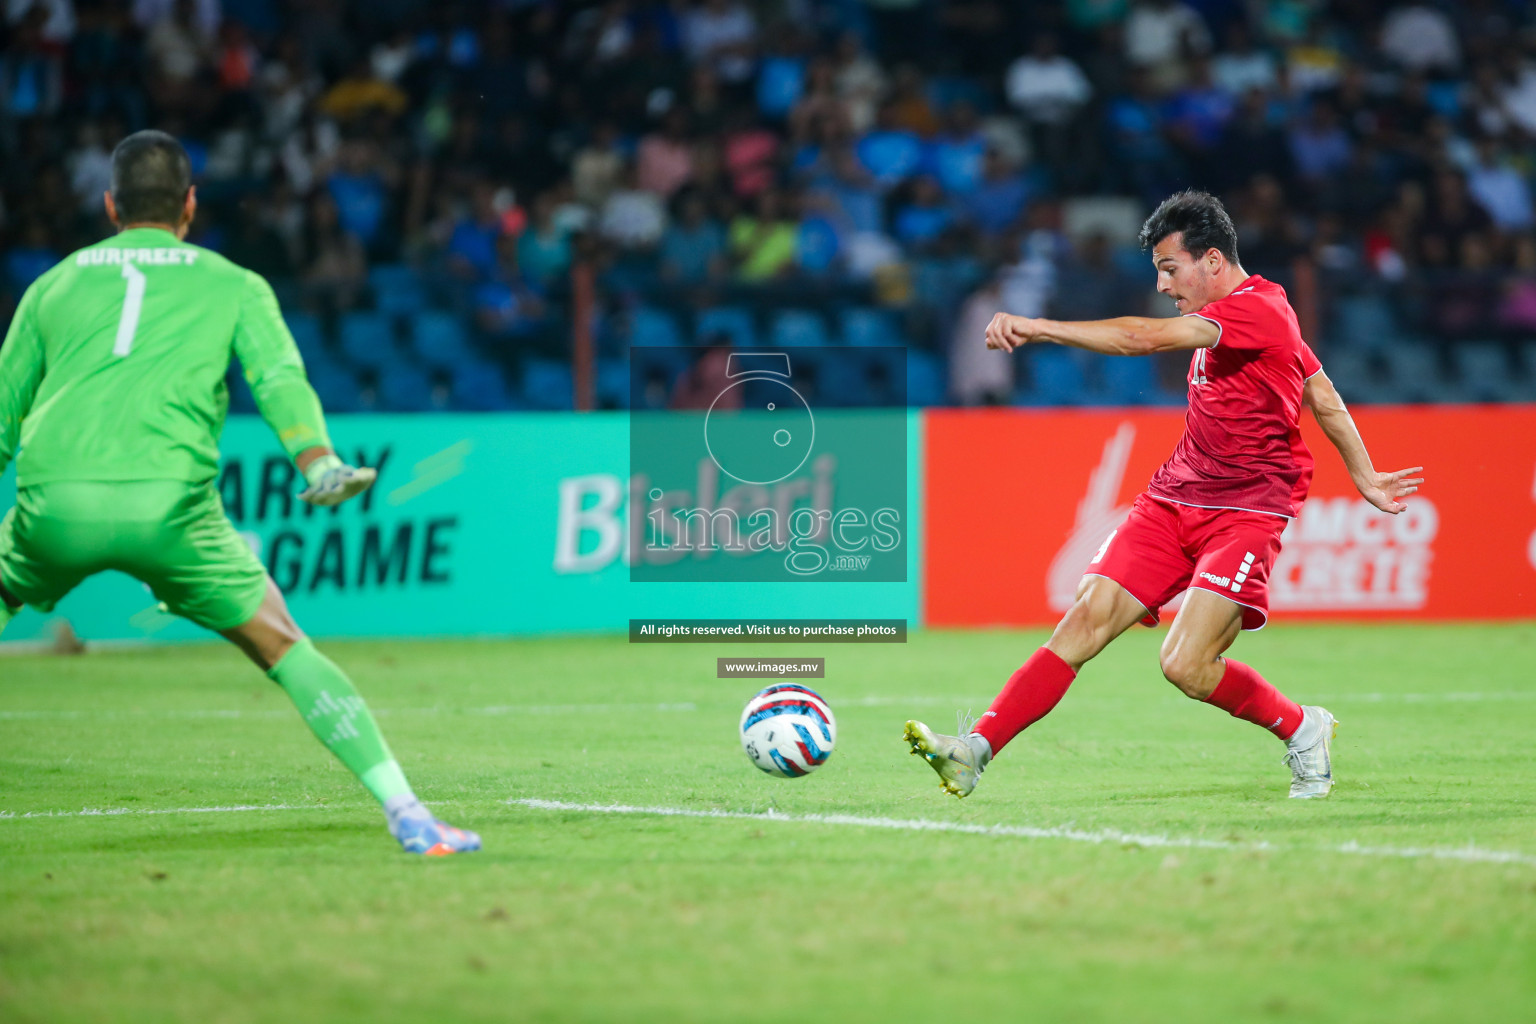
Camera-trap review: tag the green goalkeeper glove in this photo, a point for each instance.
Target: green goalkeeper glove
(332, 481)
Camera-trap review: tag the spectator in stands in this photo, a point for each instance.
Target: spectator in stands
(819, 105)
(664, 159)
(1500, 189)
(1050, 90)
(1160, 35)
(923, 215)
(360, 92)
(889, 152)
(470, 248)
(751, 154)
(1141, 160)
(90, 163)
(860, 80)
(508, 305)
(179, 51)
(998, 203)
(979, 375)
(1199, 112)
(692, 250)
(1519, 89)
(1420, 38)
(1450, 216)
(781, 76)
(1320, 146)
(1251, 144)
(598, 167)
(360, 186)
(631, 217)
(910, 107)
(848, 189)
(723, 34)
(336, 271)
(544, 246)
(762, 243)
(957, 156)
(1241, 66)
(1517, 307)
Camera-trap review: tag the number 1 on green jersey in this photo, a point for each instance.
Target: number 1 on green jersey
(133, 303)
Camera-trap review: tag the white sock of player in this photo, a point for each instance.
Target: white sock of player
(404, 807)
(1309, 731)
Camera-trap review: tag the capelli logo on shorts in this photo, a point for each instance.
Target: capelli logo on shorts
(1220, 581)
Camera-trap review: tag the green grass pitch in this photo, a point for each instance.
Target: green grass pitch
(1410, 895)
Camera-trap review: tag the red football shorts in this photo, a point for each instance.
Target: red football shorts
(1163, 549)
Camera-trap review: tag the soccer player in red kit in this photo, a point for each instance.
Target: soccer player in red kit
(1209, 523)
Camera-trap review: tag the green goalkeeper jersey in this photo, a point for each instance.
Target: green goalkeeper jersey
(114, 365)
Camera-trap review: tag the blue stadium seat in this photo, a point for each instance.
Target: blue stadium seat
(798, 328)
(652, 327)
(1365, 322)
(547, 384)
(1485, 372)
(1415, 375)
(396, 288)
(368, 339)
(732, 321)
(336, 387)
(479, 387)
(865, 326)
(1055, 378)
(405, 387)
(440, 339)
(612, 384)
(306, 332)
(925, 379)
(839, 375)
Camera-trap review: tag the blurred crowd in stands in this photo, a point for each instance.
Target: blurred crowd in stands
(922, 162)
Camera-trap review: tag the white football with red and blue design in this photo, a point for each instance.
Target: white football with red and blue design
(788, 730)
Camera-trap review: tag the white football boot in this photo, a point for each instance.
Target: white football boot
(1308, 754)
(958, 759)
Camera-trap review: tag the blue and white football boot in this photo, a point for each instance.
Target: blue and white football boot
(419, 831)
(1309, 754)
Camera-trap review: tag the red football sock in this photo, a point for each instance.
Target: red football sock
(1243, 693)
(1030, 694)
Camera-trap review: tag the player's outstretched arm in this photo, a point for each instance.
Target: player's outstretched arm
(275, 371)
(1384, 490)
(1122, 336)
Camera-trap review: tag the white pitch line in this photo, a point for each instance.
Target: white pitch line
(1469, 854)
(1097, 836)
(115, 812)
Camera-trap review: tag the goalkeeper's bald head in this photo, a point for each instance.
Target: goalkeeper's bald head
(151, 177)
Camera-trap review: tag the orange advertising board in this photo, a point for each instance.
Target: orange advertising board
(1018, 501)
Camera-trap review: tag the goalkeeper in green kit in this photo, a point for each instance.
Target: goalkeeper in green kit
(112, 388)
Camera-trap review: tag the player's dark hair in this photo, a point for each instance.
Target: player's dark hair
(1202, 219)
(150, 178)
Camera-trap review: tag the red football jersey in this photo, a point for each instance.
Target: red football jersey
(1242, 445)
